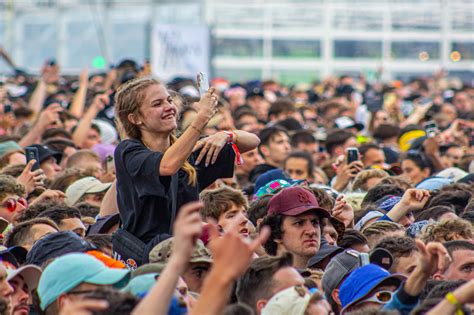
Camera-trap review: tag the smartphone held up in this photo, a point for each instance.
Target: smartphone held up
(352, 155)
(202, 83)
(32, 153)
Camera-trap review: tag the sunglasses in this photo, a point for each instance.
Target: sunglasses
(11, 203)
(382, 297)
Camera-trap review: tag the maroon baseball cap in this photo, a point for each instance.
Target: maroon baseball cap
(293, 201)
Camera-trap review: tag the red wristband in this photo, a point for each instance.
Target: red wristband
(230, 136)
(230, 139)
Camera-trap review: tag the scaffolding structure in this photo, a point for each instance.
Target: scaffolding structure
(287, 40)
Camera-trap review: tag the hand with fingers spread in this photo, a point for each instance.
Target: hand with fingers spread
(343, 211)
(83, 307)
(31, 179)
(210, 148)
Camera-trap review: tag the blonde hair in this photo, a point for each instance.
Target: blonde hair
(128, 100)
(381, 227)
(360, 181)
(447, 230)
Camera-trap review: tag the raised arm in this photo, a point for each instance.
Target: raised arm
(79, 101)
(211, 146)
(227, 267)
(47, 117)
(187, 227)
(178, 152)
(433, 258)
(38, 97)
(109, 204)
(413, 199)
(49, 75)
(455, 300)
(80, 134)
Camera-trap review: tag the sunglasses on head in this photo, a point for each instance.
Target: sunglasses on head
(11, 203)
(382, 297)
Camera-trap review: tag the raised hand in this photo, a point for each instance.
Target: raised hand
(434, 258)
(211, 147)
(346, 172)
(414, 199)
(343, 211)
(50, 194)
(231, 252)
(84, 77)
(50, 73)
(49, 116)
(31, 179)
(186, 230)
(208, 104)
(100, 101)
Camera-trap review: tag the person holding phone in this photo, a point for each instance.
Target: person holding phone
(347, 167)
(156, 171)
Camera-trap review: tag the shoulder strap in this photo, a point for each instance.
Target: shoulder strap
(174, 199)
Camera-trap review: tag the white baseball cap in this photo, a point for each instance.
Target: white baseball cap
(86, 185)
(291, 301)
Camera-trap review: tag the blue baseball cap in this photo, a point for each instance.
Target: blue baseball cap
(362, 281)
(68, 271)
(140, 285)
(433, 183)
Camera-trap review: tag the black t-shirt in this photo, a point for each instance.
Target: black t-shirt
(144, 197)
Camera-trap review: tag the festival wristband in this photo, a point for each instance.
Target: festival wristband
(454, 301)
(232, 138)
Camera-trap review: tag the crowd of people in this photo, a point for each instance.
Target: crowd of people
(121, 194)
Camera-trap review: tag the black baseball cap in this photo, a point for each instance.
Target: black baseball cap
(103, 224)
(46, 152)
(56, 244)
(326, 250)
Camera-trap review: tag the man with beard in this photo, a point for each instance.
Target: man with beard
(17, 283)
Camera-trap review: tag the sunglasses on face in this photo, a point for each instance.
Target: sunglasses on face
(382, 297)
(11, 203)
